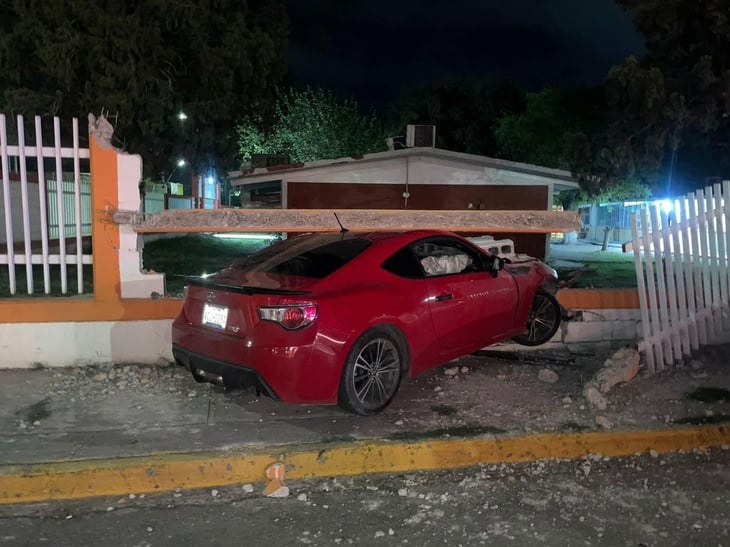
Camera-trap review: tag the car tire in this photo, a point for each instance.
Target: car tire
(372, 372)
(543, 320)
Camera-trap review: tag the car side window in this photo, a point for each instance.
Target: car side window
(444, 256)
(404, 263)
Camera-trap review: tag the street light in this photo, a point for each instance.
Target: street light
(180, 164)
(182, 116)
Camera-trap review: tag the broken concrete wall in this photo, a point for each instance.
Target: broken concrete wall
(599, 328)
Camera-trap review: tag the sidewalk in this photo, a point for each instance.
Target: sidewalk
(576, 254)
(94, 417)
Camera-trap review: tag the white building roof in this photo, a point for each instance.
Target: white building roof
(420, 165)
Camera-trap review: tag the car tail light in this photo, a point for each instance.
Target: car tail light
(290, 317)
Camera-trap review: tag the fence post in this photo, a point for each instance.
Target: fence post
(104, 234)
(115, 180)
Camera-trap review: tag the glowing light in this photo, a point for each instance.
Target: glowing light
(666, 205)
(209, 180)
(263, 237)
(182, 116)
(181, 162)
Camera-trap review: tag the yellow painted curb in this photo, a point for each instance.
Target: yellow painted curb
(169, 471)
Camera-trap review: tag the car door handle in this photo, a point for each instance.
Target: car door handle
(442, 297)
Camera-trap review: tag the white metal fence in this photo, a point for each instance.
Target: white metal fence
(681, 254)
(35, 216)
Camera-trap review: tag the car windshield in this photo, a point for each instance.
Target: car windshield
(308, 256)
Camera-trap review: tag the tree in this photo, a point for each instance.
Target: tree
(465, 111)
(669, 107)
(545, 133)
(311, 124)
(144, 61)
(541, 132)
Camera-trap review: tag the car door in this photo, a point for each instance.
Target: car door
(468, 304)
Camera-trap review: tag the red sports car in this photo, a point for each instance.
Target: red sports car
(343, 317)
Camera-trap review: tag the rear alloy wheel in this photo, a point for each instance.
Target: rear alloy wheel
(372, 373)
(543, 320)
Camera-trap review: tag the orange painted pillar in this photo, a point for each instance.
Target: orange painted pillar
(105, 233)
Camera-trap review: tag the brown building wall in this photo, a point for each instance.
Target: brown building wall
(319, 195)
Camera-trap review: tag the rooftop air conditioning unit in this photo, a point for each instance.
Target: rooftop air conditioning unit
(420, 135)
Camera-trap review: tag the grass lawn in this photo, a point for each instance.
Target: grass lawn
(194, 254)
(597, 270)
(21, 285)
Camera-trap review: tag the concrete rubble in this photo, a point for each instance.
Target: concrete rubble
(548, 376)
(131, 411)
(621, 367)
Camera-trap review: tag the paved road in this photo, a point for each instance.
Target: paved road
(680, 499)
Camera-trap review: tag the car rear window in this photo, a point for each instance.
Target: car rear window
(310, 256)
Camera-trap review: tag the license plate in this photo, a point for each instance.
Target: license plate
(215, 316)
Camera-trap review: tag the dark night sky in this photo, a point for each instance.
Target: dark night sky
(371, 48)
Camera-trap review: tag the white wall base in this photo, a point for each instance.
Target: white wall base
(26, 345)
(591, 330)
(597, 329)
(143, 285)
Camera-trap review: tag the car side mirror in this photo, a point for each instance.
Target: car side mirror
(497, 265)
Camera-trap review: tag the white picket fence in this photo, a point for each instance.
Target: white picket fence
(30, 222)
(681, 257)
